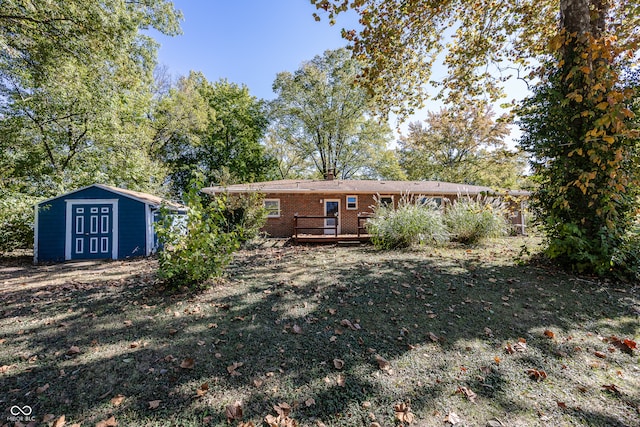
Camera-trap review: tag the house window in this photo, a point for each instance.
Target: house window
(352, 203)
(386, 200)
(437, 200)
(273, 208)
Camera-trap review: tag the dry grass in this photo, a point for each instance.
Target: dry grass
(442, 318)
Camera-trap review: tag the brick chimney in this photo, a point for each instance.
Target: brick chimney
(331, 174)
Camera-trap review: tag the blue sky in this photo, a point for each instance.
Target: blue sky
(248, 41)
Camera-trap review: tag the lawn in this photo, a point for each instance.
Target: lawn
(333, 336)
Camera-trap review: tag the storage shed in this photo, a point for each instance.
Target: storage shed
(97, 222)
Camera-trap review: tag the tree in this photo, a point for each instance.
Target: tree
(461, 145)
(575, 48)
(74, 92)
(74, 96)
(214, 129)
(326, 118)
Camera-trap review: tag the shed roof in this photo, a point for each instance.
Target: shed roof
(347, 186)
(145, 198)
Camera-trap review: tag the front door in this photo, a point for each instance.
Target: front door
(92, 231)
(332, 209)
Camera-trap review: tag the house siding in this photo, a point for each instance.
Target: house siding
(132, 233)
(313, 205)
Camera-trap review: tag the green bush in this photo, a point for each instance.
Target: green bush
(16, 222)
(198, 249)
(626, 257)
(472, 220)
(410, 223)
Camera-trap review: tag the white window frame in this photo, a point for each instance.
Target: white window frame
(355, 207)
(387, 196)
(271, 214)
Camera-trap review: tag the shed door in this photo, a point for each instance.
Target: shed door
(92, 231)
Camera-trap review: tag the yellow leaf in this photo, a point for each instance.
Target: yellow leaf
(117, 400)
(556, 42)
(603, 105)
(585, 69)
(609, 139)
(60, 422)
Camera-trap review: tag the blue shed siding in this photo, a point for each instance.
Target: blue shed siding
(51, 230)
(132, 233)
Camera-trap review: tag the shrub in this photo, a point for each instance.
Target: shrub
(16, 222)
(198, 249)
(472, 220)
(626, 257)
(410, 223)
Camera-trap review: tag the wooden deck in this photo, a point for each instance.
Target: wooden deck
(331, 238)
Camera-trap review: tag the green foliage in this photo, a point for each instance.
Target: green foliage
(16, 221)
(412, 222)
(470, 221)
(587, 173)
(322, 121)
(208, 128)
(197, 248)
(75, 82)
(463, 144)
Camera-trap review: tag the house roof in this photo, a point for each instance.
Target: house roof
(339, 186)
(145, 198)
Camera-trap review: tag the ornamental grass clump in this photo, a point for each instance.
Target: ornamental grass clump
(412, 222)
(472, 220)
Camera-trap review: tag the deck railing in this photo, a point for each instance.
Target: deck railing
(297, 226)
(363, 217)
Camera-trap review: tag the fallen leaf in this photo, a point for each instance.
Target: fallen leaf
(234, 412)
(536, 374)
(332, 311)
(433, 337)
(42, 389)
(188, 363)
(562, 405)
(257, 382)
(452, 418)
(497, 360)
(468, 393)
(204, 388)
(47, 418)
(382, 362)
(612, 388)
(60, 422)
(600, 355)
(154, 404)
(282, 409)
(338, 363)
(74, 349)
(109, 422)
(340, 380)
(403, 413)
(310, 402)
(347, 323)
(549, 334)
(4, 368)
(297, 329)
(271, 421)
(117, 400)
(232, 368)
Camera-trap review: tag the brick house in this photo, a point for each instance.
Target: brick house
(312, 201)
